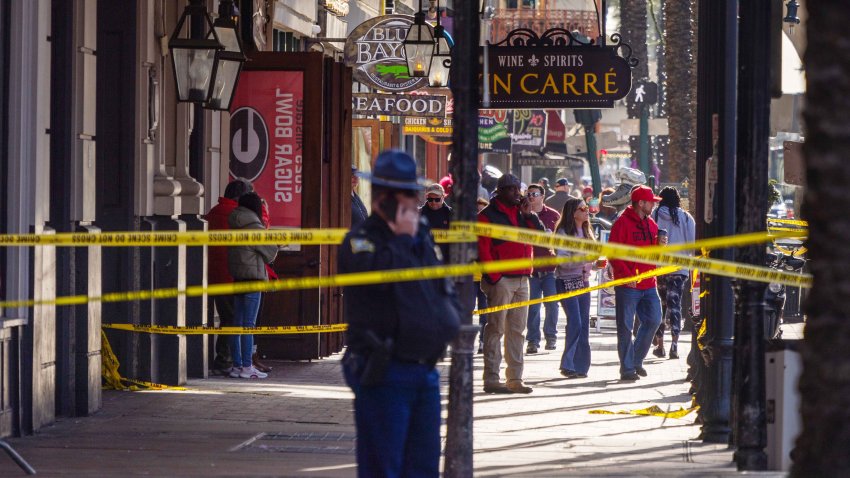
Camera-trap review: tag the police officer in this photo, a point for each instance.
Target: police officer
(397, 331)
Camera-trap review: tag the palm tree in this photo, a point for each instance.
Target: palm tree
(633, 29)
(680, 57)
(660, 144)
(825, 382)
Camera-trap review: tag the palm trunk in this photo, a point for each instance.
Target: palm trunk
(680, 52)
(822, 447)
(633, 28)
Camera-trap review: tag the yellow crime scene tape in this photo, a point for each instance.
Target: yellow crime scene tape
(340, 280)
(574, 293)
(795, 222)
(653, 411)
(305, 237)
(659, 255)
(201, 330)
(112, 379)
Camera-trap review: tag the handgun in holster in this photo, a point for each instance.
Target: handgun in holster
(380, 352)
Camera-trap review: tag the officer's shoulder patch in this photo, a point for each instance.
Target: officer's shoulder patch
(359, 244)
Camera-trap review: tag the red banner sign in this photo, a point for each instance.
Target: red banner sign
(266, 140)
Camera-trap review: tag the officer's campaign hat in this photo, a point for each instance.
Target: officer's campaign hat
(394, 169)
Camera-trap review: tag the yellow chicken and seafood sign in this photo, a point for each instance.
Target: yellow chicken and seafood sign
(555, 77)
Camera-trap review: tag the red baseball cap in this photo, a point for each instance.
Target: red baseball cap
(644, 193)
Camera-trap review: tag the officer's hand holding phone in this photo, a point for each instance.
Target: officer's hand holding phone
(405, 212)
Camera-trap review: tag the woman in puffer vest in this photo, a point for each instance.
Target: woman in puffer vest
(247, 263)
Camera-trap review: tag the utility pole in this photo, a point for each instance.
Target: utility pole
(464, 168)
(753, 132)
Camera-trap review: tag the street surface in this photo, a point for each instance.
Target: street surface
(299, 423)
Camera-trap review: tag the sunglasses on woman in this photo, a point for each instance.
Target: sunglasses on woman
(582, 208)
(534, 195)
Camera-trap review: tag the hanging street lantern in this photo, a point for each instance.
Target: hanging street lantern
(419, 46)
(228, 60)
(194, 59)
(441, 59)
(791, 8)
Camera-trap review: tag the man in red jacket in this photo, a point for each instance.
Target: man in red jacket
(635, 227)
(218, 272)
(508, 208)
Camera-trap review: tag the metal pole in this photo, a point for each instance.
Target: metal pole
(716, 385)
(644, 139)
(464, 168)
(592, 160)
(19, 460)
(753, 133)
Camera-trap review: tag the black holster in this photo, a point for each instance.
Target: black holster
(377, 360)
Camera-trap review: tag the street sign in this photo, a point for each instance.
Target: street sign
(372, 104)
(529, 131)
(794, 165)
(375, 53)
(557, 69)
(428, 126)
(494, 130)
(645, 92)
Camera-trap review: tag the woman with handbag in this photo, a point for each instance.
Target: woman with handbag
(571, 276)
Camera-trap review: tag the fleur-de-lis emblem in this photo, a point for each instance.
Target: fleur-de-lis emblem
(533, 61)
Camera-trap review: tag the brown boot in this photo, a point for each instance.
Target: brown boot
(260, 365)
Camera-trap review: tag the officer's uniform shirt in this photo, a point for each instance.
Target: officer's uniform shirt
(420, 316)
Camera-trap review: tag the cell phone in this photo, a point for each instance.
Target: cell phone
(389, 206)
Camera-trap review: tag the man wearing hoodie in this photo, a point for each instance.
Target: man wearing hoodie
(635, 227)
(218, 272)
(508, 208)
(681, 228)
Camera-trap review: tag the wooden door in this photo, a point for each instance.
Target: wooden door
(300, 307)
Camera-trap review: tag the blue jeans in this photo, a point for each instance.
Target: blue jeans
(245, 309)
(647, 305)
(576, 356)
(542, 285)
(398, 420)
(481, 304)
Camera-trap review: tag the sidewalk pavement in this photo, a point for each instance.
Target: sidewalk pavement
(298, 422)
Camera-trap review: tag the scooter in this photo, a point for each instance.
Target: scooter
(784, 257)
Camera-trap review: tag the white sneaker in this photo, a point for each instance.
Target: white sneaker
(234, 372)
(251, 372)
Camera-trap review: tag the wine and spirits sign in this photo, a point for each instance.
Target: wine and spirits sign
(555, 70)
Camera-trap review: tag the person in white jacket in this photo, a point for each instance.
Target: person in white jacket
(681, 228)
